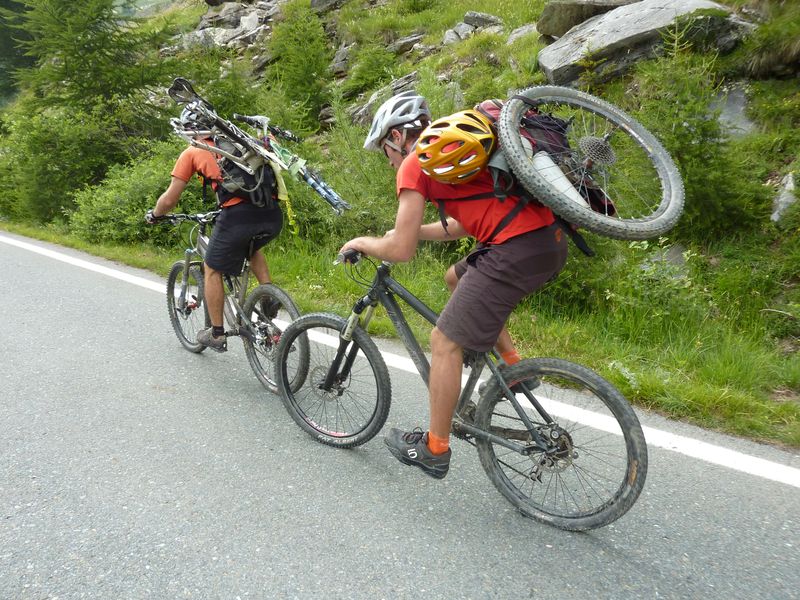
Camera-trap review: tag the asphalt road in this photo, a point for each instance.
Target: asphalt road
(130, 468)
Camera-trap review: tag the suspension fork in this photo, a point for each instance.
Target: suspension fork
(180, 302)
(360, 316)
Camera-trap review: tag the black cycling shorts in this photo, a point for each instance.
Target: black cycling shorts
(492, 281)
(235, 227)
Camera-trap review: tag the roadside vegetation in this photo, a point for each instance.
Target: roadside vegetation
(710, 336)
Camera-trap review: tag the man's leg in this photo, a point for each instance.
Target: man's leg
(447, 359)
(505, 345)
(215, 296)
(258, 264)
(214, 337)
(431, 451)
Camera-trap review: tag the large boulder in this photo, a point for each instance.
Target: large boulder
(618, 38)
(559, 16)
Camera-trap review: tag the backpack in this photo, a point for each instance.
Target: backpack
(260, 188)
(542, 132)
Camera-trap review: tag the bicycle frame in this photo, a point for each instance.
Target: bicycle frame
(385, 290)
(236, 285)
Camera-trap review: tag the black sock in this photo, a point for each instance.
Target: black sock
(217, 331)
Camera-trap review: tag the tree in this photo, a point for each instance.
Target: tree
(83, 50)
(11, 55)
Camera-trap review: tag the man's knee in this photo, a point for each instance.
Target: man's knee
(450, 278)
(441, 344)
(211, 273)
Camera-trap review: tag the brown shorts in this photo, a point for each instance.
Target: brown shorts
(492, 281)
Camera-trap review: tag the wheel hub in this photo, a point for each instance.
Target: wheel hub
(318, 375)
(597, 150)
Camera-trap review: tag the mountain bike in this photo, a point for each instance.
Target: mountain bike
(248, 152)
(609, 156)
(555, 438)
(257, 316)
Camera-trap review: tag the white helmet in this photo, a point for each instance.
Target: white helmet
(192, 118)
(407, 109)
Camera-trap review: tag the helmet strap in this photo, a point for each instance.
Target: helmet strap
(398, 148)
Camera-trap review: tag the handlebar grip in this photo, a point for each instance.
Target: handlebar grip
(351, 256)
(247, 119)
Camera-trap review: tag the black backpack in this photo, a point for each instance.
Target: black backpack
(543, 132)
(260, 188)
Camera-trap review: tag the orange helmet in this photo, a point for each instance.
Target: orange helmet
(454, 149)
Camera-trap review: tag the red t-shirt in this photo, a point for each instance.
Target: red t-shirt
(196, 160)
(479, 217)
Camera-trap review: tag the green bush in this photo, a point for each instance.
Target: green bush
(372, 65)
(80, 146)
(302, 56)
(673, 97)
(113, 211)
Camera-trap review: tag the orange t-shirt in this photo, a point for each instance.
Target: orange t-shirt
(479, 217)
(196, 160)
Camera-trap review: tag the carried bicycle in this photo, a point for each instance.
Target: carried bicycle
(556, 439)
(257, 316)
(609, 156)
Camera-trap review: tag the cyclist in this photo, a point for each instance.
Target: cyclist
(239, 222)
(488, 283)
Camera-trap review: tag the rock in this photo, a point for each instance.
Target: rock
(618, 38)
(784, 199)
(450, 37)
(226, 17)
(341, 60)
(405, 44)
(519, 32)
(559, 16)
(479, 19)
(327, 117)
(732, 104)
(493, 30)
(322, 6)
(464, 30)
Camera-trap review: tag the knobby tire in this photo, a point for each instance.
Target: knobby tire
(355, 409)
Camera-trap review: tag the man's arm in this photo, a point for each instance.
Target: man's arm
(434, 232)
(169, 199)
(400, 244)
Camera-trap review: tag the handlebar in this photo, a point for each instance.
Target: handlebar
(197, 218)
(260, 121)
(351, 256)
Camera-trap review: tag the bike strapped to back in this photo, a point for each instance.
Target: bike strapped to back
(556, 439)
(249, 153)
(257, 316)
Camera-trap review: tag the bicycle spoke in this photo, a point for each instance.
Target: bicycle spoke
(584, 479)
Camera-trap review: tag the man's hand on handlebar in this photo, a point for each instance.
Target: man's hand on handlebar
(151, 219)
(351, 255)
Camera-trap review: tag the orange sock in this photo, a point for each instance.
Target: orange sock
(511, 357)
(438, 445)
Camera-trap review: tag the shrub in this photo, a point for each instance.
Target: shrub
(371, 66)
(79, 148)
(673, 97)
(302, 57)
(113, 211)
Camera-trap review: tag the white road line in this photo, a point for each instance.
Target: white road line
(731, 459)
(85, 264)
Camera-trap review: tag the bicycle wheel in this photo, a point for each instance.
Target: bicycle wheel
(598, 463)
(610, 157)
(191, 317)
(354, 407)
(269, 310)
